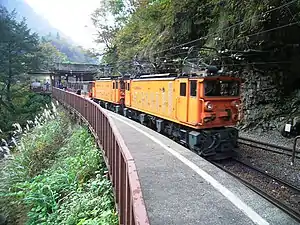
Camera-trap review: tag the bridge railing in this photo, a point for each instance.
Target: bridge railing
(120, 164)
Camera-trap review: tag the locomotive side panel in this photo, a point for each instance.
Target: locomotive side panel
(168, 98)
(111, 91)
(194, 109)
(183, 101)
(104, 90)
(154, 96)
(128, 93)
(114, 90)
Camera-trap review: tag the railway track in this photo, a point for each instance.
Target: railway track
(268, 147)
(275, 190)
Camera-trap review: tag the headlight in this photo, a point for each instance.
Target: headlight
(235, 104)
(208, 106)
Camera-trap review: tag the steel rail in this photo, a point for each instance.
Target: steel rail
(267, 146)
(296, 189)
(287, 209)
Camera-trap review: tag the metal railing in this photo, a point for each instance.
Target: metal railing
(120, 164)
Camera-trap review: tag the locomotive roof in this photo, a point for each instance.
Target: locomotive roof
(171, 76)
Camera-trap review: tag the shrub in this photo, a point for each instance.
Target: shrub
(57, 176)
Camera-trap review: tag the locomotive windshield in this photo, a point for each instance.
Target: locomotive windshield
(221, 88)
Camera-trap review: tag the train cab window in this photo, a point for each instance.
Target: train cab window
(122, 85)
(221, 88)
(182, 89)
(193, 88)
(117, 85)
(114, 86)
(128, 86)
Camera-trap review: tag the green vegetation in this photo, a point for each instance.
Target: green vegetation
(57, 176)
(253, 40)
(71, 53)
(23, 51)
(25, 106)
(37, 23)
(20, 52)
(251, 35)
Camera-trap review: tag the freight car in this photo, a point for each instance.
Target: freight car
(197, 111)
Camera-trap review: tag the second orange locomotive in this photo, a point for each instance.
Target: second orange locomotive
(198, 112)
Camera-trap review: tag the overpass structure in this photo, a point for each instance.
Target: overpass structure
(68, 72)
(77, 70)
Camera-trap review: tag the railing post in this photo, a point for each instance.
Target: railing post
(122, 170)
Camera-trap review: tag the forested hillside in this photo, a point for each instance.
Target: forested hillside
(20, 52)
(73, 53)
(34, 21)
(259, 40)
(38, 24)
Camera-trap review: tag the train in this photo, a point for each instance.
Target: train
(197, 110)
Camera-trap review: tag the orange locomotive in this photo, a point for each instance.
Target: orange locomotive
(197, 111)
(109, 92)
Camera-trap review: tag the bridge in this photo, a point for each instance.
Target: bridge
(64, 72)
(70, 68)
(157, 181)
(76, 67)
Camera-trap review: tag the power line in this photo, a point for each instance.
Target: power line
(250, 35)
(272, 29)
(236, 24)
(262, 32)
(257, 63)
(254, 34)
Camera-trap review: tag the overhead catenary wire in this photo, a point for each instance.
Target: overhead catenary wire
(250, 35)
(220, 31)
(258, 63)
(234, 25)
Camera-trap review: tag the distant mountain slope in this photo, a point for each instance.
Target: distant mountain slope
(40, 25)
(74, 53)
(34, 21)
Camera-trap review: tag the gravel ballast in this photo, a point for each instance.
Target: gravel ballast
(274, 188)
(273, 163)
(272, 137)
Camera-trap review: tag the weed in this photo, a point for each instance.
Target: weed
(57, 176)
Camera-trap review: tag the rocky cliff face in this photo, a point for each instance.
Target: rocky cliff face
(264, 104)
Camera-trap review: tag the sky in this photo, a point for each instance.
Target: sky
(72, 17)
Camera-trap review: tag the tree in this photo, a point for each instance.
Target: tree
(18, 47)
(109, 18)
(47, 56)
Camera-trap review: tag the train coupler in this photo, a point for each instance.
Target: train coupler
(219, 143)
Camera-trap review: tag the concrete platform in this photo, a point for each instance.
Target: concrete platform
(181, 188)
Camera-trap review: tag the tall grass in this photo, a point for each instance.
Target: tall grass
(26, 105)
(56, 176)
